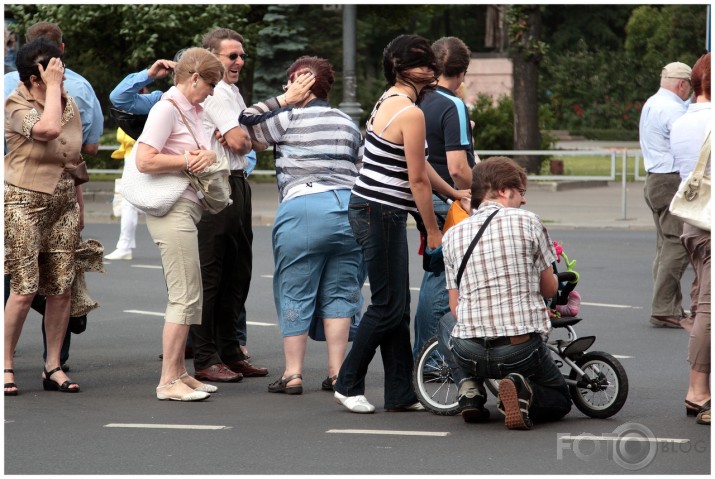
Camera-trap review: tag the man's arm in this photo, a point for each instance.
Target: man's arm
(548, 284)
(453, 301)
(459, 169)
(238, 140)
(126, 96)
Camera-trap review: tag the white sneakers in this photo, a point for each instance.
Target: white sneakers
(358, 404)
(119, 254)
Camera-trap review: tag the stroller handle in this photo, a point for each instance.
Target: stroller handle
(567, 276)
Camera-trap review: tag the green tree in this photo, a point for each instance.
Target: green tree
(139, 34)
(280, 42)
(658, 35)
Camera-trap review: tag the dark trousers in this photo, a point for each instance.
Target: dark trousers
(380, 230)
(532, 359)
(225, 250)
(38, 304)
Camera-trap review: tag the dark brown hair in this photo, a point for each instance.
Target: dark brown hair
(40, 50)
(494, 174)
(452, 56)
(212, 40)
(48, 30)
(320, 67)
(404, 53)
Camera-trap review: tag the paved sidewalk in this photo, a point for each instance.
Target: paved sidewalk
(583, 205)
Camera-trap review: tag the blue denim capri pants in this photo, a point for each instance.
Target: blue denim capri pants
(317, 261)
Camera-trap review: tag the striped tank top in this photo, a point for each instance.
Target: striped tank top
(383, 176)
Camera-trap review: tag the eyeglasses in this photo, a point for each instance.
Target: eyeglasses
(521, 191)
(211, 84)
(234, 55)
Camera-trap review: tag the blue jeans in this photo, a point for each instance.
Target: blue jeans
(433, 301)
(318, 264)
(381, 232)
(532, 359)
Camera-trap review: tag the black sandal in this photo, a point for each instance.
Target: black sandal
(50, 385)
(10, 385)
(281, 386)
(327, 385)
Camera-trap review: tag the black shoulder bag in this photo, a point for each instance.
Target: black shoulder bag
(460, 272)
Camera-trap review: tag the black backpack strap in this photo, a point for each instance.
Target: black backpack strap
(471, 247)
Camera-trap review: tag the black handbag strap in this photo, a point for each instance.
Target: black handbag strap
(471, 247)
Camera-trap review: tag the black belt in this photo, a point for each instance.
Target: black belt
(503, 340)
(669, 173)
(239, 173)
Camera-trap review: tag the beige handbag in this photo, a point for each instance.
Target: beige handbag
(692, 201)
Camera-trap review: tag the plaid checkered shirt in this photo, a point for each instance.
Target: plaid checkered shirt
(499, 293)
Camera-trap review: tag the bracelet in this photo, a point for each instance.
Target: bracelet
(186, 157)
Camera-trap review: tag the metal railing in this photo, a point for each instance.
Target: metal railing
(612, 153)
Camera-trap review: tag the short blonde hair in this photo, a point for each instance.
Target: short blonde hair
(201, 61)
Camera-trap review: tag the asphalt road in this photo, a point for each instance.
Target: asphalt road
(117, 426)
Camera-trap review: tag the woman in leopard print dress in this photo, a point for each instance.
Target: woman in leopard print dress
(42, 204)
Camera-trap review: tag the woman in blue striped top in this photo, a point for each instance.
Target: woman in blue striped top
(319, 269)
(395, 179)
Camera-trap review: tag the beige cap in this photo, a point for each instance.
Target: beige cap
(676, 70)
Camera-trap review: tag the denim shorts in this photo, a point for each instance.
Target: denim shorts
(318, 264)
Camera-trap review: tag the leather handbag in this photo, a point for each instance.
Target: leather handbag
(132, 124)
(211, 185)
(152, 194)
(79, 172)
(691, 203)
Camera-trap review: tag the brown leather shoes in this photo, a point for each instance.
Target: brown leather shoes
(666, 322)
(218, 373)
(247, 369)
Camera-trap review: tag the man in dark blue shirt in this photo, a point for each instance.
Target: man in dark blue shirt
(451, 153)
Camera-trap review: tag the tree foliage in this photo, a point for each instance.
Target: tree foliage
(280, 42)
(106, 42)
(601, 58)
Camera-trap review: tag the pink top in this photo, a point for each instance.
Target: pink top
(165, 130)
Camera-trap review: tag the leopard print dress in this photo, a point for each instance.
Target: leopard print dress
(41, 229)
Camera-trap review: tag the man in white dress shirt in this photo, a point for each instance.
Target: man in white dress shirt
(671, 259)
(225, 239)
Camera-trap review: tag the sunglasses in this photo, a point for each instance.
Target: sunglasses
(234, 55)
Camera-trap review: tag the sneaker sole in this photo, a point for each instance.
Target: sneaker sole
(513, 418)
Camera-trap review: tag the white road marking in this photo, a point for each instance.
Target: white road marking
(168, 426)
(618, 356)
(146, 266)
(153, 313)
(603, 305)
(269, 276)
(256, 323)
(387, 432)
(147, 313)
(588, 437)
